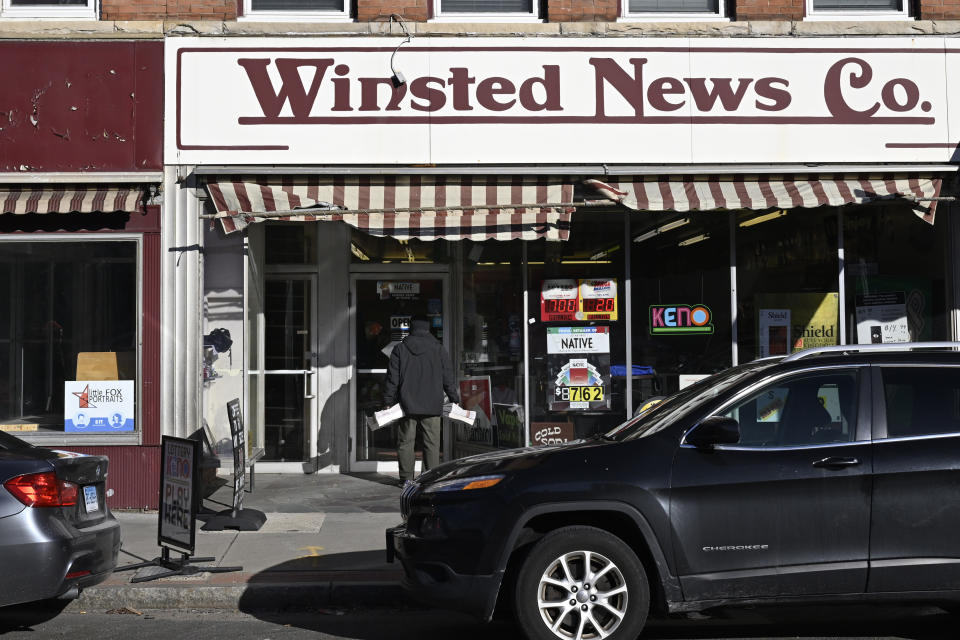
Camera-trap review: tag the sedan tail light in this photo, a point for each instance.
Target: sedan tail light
(42, 490)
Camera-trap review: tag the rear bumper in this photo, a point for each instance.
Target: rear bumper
(38, 552)
(434, 583)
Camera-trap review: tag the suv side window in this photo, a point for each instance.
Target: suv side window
(799, 411)
(921, 401)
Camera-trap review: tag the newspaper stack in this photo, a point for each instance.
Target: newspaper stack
(385, 417)
(455, 412)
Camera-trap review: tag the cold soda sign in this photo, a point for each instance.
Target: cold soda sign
(680, 318)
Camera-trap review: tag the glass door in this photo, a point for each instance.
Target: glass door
(382, 309)
(289, 339)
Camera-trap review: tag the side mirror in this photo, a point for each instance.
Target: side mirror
(713, 431)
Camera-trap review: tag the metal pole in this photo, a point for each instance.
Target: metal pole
(734, 353)
(628, 313)
(842, 289)
(526, 345)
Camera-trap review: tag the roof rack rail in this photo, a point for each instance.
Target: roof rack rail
(852, 348)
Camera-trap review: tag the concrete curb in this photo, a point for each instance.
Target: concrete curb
(272, 597)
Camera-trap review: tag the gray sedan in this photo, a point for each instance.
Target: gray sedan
(57, 535)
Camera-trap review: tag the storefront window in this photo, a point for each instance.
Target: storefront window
(291, 243)
(787, 281)
(68, 336)
(578, 336)
(367, 249)
(895, 266)
(680, 272)
(491, 350)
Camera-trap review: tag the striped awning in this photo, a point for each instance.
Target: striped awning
(705, 192)
(427, 207)
(62, 198)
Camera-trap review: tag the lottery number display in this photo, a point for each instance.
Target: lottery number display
(569, 300)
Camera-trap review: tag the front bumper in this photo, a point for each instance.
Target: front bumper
(434, 583)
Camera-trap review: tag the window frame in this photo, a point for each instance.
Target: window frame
(865, 409)
(656, 16)
(62, 438)
(90, 11)
(881, 431)
(250, 15)
(439, 16)
(812, 14)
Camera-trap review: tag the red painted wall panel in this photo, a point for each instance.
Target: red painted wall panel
(134, 474)
(81, 106)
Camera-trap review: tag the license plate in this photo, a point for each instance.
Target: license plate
(90, 499)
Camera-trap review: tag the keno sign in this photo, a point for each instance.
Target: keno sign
(591, 100)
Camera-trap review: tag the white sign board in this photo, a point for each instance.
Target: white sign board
(775, 336)
(882, 318)
(560, 100)
(98, 406)
(578, 340)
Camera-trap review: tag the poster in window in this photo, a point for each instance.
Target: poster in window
(98, 406)
(882, 318)
(814, 318)
(774, 332)
(475, 395)
(578, 361)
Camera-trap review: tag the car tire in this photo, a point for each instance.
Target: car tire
(557, 598)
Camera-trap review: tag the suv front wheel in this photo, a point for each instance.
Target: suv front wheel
(580, 583)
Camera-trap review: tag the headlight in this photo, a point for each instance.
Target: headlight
(464, 484)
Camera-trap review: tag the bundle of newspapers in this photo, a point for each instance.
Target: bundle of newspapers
(390, 415)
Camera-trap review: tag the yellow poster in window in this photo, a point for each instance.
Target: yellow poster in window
(814, 317)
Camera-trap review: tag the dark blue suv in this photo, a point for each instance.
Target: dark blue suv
(829, 475)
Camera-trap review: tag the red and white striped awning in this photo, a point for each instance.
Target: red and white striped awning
(61, 198)
(706, 192)
(427, 207)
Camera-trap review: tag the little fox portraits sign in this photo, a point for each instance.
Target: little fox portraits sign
(670, 100)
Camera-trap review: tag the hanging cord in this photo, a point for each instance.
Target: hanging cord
(397, 77)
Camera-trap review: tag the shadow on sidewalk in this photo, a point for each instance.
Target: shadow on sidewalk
(24, 616)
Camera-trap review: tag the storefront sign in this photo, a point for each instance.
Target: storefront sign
(179, 459)
(629, 100)
(680, 318)
(551, 432)
(568, 300)
(578, 339)
(508, 432)
(882, 318)
(98, 406)
(398, 290)
(559, 300)
(580, 383)
(813, 317)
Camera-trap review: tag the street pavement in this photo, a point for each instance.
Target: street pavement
(322, 546)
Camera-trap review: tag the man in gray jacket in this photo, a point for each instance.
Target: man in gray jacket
(418, 375)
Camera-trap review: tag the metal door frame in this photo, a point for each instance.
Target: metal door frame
(311, 417)
(399, 272)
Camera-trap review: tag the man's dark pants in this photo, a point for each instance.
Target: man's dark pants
(407, 435)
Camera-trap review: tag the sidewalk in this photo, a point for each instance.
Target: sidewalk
(322, 546)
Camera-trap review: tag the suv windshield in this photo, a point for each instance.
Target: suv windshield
(664, 413)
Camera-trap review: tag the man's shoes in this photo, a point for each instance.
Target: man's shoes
(403, 484)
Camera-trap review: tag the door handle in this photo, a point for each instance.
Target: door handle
(306, 386)
(836, 463)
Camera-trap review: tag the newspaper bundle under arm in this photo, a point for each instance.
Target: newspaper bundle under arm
(385, 417)
(455, 412)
